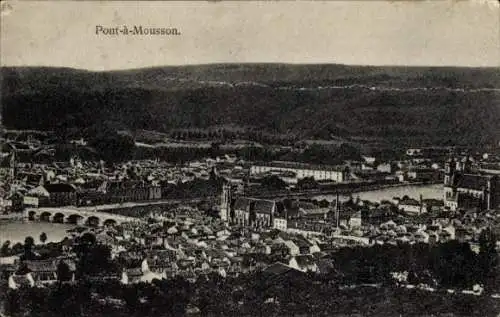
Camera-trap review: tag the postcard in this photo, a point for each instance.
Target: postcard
(250, 158)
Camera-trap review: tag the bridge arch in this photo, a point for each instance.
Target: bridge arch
(93, 221)
(58, 218)
(45, 216)
(32, 215)
(75, 219)
(110, 222)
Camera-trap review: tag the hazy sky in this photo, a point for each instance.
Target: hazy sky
(462, 33)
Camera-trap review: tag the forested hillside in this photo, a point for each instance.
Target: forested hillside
(414, 105)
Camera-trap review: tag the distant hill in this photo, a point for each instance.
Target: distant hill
(410, 105)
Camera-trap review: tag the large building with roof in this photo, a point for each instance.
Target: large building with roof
(301, 170)
(247, 211)
(465, 188)
(254, 212)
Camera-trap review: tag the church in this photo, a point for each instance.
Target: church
(465, 188)
(248, 211)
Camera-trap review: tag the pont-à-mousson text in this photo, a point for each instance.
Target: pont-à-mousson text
(135, 30)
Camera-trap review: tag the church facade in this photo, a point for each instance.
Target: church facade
(465, 188)
(247, 211)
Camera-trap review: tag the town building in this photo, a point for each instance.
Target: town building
(38, 272)
(301, 170)
(247, 211)
(465, 188)
(253, 212)
(61, 194)
(226, 202)
(410, 206)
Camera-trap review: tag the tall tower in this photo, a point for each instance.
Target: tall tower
(449, 170)
(225, 204)
(337, 210)
(467, 164)
(12, 165)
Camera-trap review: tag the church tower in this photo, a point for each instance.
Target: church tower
(12, 165)
(225, 204)
(449, 171)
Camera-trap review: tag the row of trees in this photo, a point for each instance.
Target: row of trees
(8, 249)
(451, 264)
(234, 134)
(256, 294)
(106, 142)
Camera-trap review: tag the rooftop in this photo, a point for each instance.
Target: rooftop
(297, 165)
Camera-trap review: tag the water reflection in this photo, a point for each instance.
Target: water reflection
(427, 192)
(16, 231)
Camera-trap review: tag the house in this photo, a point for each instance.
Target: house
(414, 152)
(264, 211)
(306, 246)
(301, 170)
(31, 179)
(277, 268)
(159, 261)
(36, 196)
(401, 176)
(446, 235)
(304, 263)
(39, 272)
(385, 168)
(378, 216)
(369, 159)
(7, 165)
(464, 235)
(421, 236)
(21, 280)
(280, 250)
(61, 194)
(140, 274)
(280, 223)
(311, 211)
(410, 206)
(355, 221)
(432, 205)
(280, 270)
(422, 174)
(128, 191)
(293, 249)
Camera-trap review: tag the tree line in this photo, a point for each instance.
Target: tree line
(256, 294)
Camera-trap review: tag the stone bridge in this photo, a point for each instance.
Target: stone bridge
(76, 216)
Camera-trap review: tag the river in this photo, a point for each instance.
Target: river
(16, 231)
(412, 191)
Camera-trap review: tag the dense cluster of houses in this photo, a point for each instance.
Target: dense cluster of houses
(252, 232)
(186, 243)
(402, 220)
(77, 183)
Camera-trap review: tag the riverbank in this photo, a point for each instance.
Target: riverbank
(16, 231)
(343, 189)
(12, 217)
(374, 187)
(389, 192)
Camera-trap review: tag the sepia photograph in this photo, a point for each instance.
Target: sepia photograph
(250, 158)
